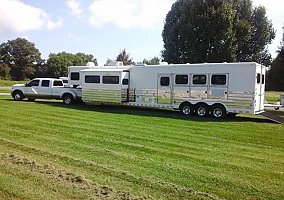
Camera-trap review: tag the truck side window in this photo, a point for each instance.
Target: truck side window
(45, 83)
(33, 83)
(218, 80)
(92, 79)
(165, 81)
(181, 79)
(75, 76)
(199, 79)
(111, 79)
(57, 83)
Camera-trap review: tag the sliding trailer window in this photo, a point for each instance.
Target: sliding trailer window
(75, 76)
(181, 79)
(110, 79)
(92, 79)
(219, 79)
(199, 79)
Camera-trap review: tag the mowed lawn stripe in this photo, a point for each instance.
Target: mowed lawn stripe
(205, 156)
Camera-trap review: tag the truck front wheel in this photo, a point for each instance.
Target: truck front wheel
(67, 99)
(18, 96)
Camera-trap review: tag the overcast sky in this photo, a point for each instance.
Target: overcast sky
(100, 27)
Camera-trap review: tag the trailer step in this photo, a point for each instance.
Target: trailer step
(273, 117)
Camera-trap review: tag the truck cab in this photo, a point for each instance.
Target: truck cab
(45, 88)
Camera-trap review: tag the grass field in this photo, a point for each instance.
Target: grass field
(52, 151)
(5, 85)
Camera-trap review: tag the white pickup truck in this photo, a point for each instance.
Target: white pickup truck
(45, 88)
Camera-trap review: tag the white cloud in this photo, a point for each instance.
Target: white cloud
(129, 13)
(18, 17)
(74, 7)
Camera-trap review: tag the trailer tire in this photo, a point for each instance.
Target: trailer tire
(67, 99)
(201, 109)
(186, 109)
(18, 95)
(218, 111)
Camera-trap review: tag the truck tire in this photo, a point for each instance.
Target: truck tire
(18, 95)
(218, 111)
(201, 109)
(67, 99)
(186, 109)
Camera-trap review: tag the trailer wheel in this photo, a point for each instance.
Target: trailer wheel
(201, 109)
(218, 111)
(18, 96)
(67, 99)
(186, 109)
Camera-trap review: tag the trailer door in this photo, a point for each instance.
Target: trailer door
(259, 89)
(164, 88)
(218, 87)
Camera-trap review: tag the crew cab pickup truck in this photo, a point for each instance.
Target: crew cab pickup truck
(45, 88)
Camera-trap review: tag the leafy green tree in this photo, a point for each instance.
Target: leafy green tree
(4, 71)
(125, 58)
(57, 64)
(153, 61)
(21, 56)
(276, 73)
(197, 31)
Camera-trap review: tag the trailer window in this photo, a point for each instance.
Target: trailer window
(125, 81)
(199, 79)
(218, 80)
(75, 76)
(258, 78)
(111, 79)
(92, 79)
(57, 83)
(263, 79)
(45, 83)
(181, 79)
(165, 81)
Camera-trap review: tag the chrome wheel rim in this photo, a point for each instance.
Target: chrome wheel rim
(17, 96)
(186, 110)
(201, 111)
(217, 112)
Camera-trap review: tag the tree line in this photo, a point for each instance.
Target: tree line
(194, 31)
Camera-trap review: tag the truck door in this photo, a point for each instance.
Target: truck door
(45, 89)
(31, 89)
(164, 83)
(218, 86)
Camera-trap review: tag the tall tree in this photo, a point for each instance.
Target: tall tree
(216, 31)
(276, 73)
(125, 58)
(21, 56)
(57, 64)
(153, 61)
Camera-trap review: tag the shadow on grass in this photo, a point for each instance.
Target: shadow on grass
(139, 111)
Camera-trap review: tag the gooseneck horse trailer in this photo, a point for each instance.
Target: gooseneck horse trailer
(215, 89)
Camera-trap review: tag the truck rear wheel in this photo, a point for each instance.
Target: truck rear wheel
(67, 99)
(18, 96)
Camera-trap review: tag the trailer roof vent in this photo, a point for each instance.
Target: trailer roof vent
(163, 63)
(90, 64)
(116, 63)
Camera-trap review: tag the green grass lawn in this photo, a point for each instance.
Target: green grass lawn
(52, 151)
(273, 97)
(5, 85)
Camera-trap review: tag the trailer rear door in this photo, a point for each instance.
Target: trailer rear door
(259, 88)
